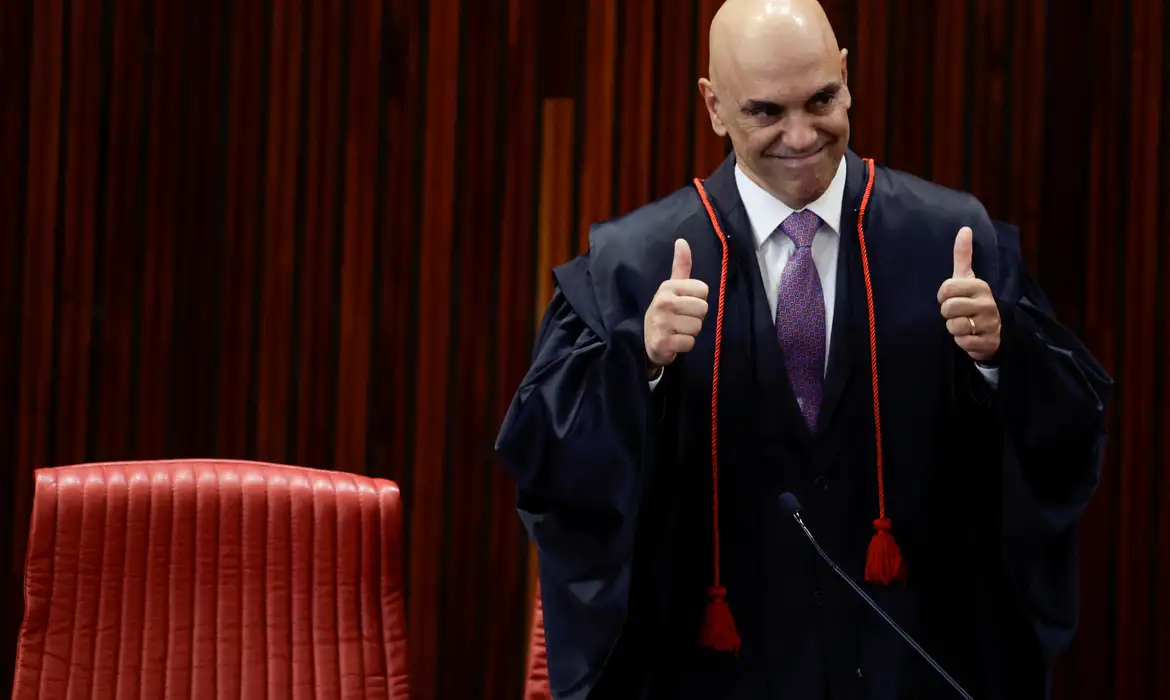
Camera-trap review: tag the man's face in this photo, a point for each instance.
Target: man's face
(788, 118)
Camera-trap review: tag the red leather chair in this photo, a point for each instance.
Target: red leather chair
(212, 579)
(536, 687)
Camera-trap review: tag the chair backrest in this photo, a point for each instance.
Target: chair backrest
(205, 579)
(536, 685)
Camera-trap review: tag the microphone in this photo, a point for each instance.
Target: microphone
(791, 506)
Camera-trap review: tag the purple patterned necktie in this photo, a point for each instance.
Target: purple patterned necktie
(800, 317)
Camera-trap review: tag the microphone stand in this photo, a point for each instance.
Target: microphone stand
(881, 612)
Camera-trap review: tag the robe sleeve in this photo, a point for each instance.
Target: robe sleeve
(575, 441)
(1051, 403)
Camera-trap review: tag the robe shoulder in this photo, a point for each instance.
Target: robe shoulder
(918, 199)
(635, 238)
(932, 215)
(612, 283)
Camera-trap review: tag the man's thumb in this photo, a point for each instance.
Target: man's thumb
(963, 254)
(681, 269)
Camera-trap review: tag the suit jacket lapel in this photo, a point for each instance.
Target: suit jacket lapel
(850, 292)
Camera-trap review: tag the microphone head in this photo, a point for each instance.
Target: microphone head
(789, 504)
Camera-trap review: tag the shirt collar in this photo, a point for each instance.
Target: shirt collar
(766, 213)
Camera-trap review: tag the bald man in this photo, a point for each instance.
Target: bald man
(802, 322)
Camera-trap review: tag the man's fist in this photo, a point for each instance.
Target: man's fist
(676, 314)
(968, 306)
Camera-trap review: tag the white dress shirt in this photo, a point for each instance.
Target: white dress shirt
(765, 213)
(774, 247)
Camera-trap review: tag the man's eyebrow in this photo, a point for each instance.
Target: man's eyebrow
(830, 90)
(752, 106)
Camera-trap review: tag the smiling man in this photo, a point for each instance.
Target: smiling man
(802, 321)
(778, 85)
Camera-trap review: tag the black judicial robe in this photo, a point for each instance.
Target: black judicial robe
(984, 487)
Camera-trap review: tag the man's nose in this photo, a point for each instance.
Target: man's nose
(799, 136)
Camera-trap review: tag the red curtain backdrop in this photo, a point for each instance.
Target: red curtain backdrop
(320, 233)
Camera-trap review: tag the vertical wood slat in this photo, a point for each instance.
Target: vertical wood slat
(869, 85)
(36, 331)
(1068, 188)
(1138, 410)
(462, 620)
(987, 103)
(911, 26)
(1161, 462)
(1025, 174)
(434, 335)
(517, 265)
(398, 242)
(158, 240)
(357, 249)
(279, 241)
(674, 95)
(555, 192)
(15, 55)
(247, 108)
(197, 228)
(75, 276)
(1090, 670)
(16, 50)
(1070, 202)
(316, 255)
(948, 109)
(110, 426)
(634, 168)
(596, 197)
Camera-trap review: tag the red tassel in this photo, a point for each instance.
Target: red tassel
(718, 630)
(884, 563)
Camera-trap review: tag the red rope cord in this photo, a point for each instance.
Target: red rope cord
(884, 560)
(715, 377)
(873, 368)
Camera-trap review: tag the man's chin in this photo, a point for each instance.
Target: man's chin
(809, 185)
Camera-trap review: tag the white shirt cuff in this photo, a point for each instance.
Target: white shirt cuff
(991, 374)
(657, 378)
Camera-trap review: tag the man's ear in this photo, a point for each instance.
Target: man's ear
(711, 100)
(846, 95)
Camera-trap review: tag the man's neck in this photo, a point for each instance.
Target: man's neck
(766, 211)
(794, 204)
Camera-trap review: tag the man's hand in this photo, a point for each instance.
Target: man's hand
(968, 306)
(676, 314)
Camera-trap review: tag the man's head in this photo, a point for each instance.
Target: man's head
(778, 88)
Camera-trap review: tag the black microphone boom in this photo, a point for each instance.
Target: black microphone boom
(791, 506)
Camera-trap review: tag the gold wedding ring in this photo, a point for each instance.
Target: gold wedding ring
(972, 322)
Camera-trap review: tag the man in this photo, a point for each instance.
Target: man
(849, 334)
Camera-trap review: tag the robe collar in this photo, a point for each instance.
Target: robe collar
(765, 212)
(725, 197)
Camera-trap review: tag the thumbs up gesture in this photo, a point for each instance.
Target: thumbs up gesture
(676, 313)
(968, 305)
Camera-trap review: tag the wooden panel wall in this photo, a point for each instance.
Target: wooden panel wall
(320, 233)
